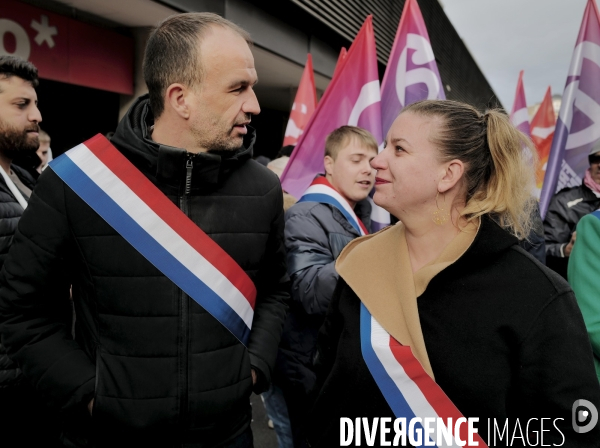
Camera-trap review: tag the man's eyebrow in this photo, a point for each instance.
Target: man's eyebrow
(242, 82)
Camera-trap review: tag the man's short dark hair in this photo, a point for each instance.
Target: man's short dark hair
(15, 66)
(172, 53)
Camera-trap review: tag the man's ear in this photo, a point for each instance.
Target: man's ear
(328, 162)
(176, 99)
(452, 175)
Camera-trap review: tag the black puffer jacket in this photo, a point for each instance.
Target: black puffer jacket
(161, 369)
(10, 213)
(564, 212)
(315, 234)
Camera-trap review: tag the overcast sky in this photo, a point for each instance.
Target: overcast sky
(506, 36)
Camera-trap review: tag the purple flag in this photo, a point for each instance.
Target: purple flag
(578, 124)
(411, 74)
(519, 115)
(352, 98)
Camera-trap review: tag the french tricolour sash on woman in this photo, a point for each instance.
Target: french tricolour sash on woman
(113, 187)
(405, 385)
(320, 190)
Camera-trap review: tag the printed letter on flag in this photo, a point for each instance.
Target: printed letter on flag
(519, 115)
(352, 98)
(578, 124)
(411, 74)
(304, 105)
(542, 132)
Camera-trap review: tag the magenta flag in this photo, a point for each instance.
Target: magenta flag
(519, 115)
(411, 74)
(578, 124)
(352, 98)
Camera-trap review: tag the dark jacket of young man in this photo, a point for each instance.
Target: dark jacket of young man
(564, 212)
(161, 370)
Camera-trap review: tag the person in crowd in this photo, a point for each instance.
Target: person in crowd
(332, 212)
(155, 361)
(19, 133)
(44, 152)
(566, 209)
(273, 399)
(444, 310)
(583, 271)
(277, 165)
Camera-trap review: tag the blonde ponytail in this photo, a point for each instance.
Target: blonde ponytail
(508, 192)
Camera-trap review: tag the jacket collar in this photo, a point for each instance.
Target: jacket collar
(166, 165)
(377, 268)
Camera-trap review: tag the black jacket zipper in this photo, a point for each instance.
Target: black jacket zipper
(184, 304)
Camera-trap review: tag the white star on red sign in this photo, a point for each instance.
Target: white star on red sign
(45, 32)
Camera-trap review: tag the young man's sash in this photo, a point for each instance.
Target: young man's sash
(115, 189)
(320, 190)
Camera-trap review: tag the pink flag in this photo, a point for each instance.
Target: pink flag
(304, 105)
(411, 74)
(542, 132)
(340, 61)
(578, 124)
(519, 115)
(352, 98)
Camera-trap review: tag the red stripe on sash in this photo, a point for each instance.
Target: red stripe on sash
(170, 213)
(322, 180)
(434, 394)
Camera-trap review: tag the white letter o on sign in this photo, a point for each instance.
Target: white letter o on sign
(23, 47)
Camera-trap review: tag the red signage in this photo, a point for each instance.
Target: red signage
(67, 50)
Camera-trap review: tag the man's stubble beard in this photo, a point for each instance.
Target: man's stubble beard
(222, 139)
(14, 141)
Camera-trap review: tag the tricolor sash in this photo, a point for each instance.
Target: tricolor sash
(408, 389)
(115, 189)
(320, 190)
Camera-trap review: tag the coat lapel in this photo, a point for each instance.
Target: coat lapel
(377, 267)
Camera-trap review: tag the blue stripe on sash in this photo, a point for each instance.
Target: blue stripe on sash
(388, 388)
(135, 235)
(325, 199)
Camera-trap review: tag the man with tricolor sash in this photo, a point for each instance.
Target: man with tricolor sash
(333, 211)
(171, 238)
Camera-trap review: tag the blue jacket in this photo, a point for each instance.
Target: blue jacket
(315, 234)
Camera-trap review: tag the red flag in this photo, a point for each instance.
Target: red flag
(304, 105)
(340, 61)
(542, 132)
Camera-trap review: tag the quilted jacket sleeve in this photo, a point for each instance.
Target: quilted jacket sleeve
(35, 310)
(272, 296)
(311, 262)
(557, 231)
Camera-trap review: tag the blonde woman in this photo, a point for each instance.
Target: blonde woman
(443, 315)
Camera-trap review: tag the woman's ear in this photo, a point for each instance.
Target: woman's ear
(452, 175)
